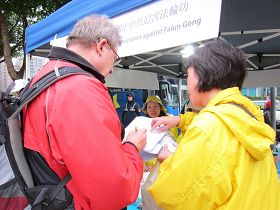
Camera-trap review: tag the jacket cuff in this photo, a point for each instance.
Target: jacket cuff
(128, 142)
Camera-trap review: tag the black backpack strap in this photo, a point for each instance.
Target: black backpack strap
(59, 187)
(52, 195)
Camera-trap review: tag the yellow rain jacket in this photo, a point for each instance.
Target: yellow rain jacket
(223, 162)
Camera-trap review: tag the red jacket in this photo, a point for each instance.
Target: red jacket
(74, 126)
(268, 104)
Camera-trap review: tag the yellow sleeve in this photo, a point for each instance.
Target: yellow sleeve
(195, 177)
(179, 138)
(186, 120)
(174, 132)
(151, 162)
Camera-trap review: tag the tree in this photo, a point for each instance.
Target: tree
(15, 16)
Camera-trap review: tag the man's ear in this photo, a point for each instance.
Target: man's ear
(100, 46)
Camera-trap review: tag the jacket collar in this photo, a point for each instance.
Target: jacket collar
(59, 53)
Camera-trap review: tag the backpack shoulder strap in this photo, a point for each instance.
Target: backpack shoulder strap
(29, 93)
(53, 193)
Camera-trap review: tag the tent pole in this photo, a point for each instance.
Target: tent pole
(180, 93)
(181, 75)
(273, 113)
(273, 107)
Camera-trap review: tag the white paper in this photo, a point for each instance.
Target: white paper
(155, 140)
(168, 140)
(153, 137)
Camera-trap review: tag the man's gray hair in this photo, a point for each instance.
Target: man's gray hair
(92, 28)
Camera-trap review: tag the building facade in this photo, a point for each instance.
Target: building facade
(5, 79)
(36, 64)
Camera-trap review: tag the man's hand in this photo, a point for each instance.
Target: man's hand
(138, 138)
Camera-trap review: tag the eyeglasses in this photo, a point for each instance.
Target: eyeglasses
(118, 59)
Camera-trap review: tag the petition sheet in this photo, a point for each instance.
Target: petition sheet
(155, 140)
(153, 136)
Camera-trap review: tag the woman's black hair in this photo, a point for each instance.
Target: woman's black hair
(218, 65)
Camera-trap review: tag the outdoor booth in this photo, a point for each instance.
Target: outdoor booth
(155, 32)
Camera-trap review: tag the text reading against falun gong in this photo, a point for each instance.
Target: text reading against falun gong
(166, 29)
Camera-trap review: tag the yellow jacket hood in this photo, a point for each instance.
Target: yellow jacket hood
(255, 136)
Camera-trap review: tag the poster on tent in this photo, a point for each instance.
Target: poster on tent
(168, 23)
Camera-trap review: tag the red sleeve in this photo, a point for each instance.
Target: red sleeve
(85, 131)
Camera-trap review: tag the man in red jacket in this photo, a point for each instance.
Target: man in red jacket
(74, 125)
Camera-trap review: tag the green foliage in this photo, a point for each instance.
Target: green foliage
(19, 14)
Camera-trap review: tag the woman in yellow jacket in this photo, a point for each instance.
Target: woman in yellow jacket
(153, 107)
(224, 160)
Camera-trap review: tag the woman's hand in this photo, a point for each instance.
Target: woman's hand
(165, 122)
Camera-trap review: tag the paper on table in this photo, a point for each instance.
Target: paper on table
(153, 137)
